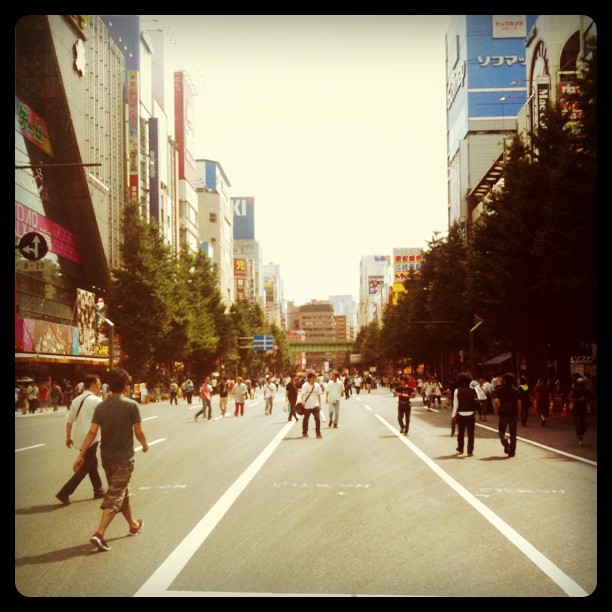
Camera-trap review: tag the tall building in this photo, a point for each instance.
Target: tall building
(315, 322)
(151, 151)
(345, 306)
(486, 88)
(184, 130)
(69, 189)
(273, 289)
(216, 222)
(248, 258)
(374, 283)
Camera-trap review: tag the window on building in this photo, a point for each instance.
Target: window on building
(212, 217)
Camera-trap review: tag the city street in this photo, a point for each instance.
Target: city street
(244, 506)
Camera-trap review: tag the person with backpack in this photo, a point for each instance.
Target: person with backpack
(465, 407)
(174, 389)
(189, 389)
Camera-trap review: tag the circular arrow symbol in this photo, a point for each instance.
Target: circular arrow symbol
(33, 246)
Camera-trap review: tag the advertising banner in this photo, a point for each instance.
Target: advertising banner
(60, 241)
(405, 260)
(244, 218)
(133, 136)
(86, 322)
(32, 126)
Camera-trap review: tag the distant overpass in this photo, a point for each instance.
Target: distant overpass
(322, 347)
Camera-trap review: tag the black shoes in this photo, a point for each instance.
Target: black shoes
(99, 495)
(319, 436)
(63, 499)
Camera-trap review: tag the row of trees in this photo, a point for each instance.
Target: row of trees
(528, 270)
(170, 316)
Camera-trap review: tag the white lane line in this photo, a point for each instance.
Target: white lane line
(18, 450)
(546, 565)
(367, 407)
(548, 448)
(165, 574)
(139, 448)
(150, 417)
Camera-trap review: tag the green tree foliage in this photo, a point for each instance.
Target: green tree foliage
(433, 317)
(138, 302)
(247, 320)
(535, 246)
(204, 314)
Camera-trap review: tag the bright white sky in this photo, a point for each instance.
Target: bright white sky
(336, 125)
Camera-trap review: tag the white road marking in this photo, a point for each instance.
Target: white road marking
(18, 450)
(150, 417)
(548, 567)
(138, 448)
(165, 574)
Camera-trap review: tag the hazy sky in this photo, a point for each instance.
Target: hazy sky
(336, 125)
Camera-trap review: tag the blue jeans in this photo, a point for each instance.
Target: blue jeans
(269, 402)
(205, 403)
(334, 412)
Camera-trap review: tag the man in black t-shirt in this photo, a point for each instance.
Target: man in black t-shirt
(507, 403)
(403, 393)
(291, 393)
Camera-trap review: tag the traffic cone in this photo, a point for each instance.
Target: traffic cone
(564, 412)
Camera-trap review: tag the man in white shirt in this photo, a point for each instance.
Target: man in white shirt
(333, 393)
(311, 398)
(269, 391)
(77, 426)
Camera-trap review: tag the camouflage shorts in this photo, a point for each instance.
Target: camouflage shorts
(118, 477)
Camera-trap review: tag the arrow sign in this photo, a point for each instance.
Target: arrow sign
(477, 323)
(33, 246)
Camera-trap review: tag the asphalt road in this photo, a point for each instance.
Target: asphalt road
(244, 506)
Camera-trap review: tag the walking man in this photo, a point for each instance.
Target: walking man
(311, 398)
(206, 397)
(291, 393)
(269, 392)
(507, 402)
(240, 392)
(333, 393)
(403, 392)
(581, 397)
(78, 423)
(223, 394)
(118, 419)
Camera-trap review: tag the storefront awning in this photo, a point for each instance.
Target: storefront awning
(498, 359)
(75, 359)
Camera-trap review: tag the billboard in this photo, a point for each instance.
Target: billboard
(405, 260)
(496, 64)
(60, 241)
(32, 126)
(244, 218)
(184, 126)
(133, 136)
(154, 186)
